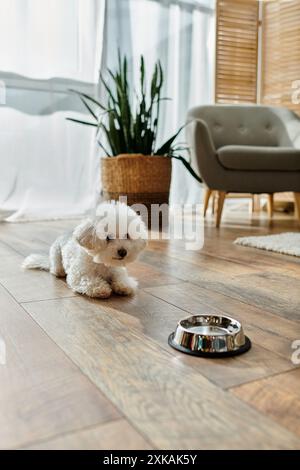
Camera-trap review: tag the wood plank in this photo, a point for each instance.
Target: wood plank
(20, 240)
(42, 392)
(151, 316)
(221, 246)
(28, 285)
(190, 298)
(37, 285)
(26, 238)
(149, 384)
(115, 435)
(276, 397)
(245, 283)
(271, 349)
(149, 276)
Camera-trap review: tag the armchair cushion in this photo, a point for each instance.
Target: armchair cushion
(244, 157)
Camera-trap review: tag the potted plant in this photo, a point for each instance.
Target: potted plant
(134, 164)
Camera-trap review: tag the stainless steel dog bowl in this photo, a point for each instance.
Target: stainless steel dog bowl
(210, 336)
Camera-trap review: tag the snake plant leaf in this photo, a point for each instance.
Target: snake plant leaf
(153, 82)
(165, 148)
(103, 148)
(107, 88)
(188, 166)
(88, 108)
(90, 98)
(125, 71)
(142, 74)
(110, 139)
(82, 122)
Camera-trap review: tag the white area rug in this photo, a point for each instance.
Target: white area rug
(286, 243)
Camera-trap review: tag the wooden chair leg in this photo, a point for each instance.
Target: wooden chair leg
(297, 205)
(213, 205)
(220, 203)
(207, 194)
(270, 205)
(255, 203)
(251, 207)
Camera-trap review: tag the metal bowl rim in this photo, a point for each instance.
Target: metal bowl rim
(188, 330)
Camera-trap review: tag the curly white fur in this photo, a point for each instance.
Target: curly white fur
(94, 256)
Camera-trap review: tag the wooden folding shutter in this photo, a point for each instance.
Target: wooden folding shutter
(281, 53)
(236, 51)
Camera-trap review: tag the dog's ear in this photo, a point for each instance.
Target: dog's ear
(85, 234)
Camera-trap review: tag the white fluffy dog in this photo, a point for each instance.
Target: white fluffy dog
(94, 256)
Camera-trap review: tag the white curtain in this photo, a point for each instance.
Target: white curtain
(181, 34)
(48, 166)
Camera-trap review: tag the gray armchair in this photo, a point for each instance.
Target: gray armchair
(245, 149)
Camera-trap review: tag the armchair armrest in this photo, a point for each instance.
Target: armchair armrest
(203, 151)
(203, 138)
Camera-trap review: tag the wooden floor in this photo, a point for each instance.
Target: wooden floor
(83, 373)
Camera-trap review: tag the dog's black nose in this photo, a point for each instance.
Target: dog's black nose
(122, 252)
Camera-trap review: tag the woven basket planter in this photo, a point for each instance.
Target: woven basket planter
(143, 179)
